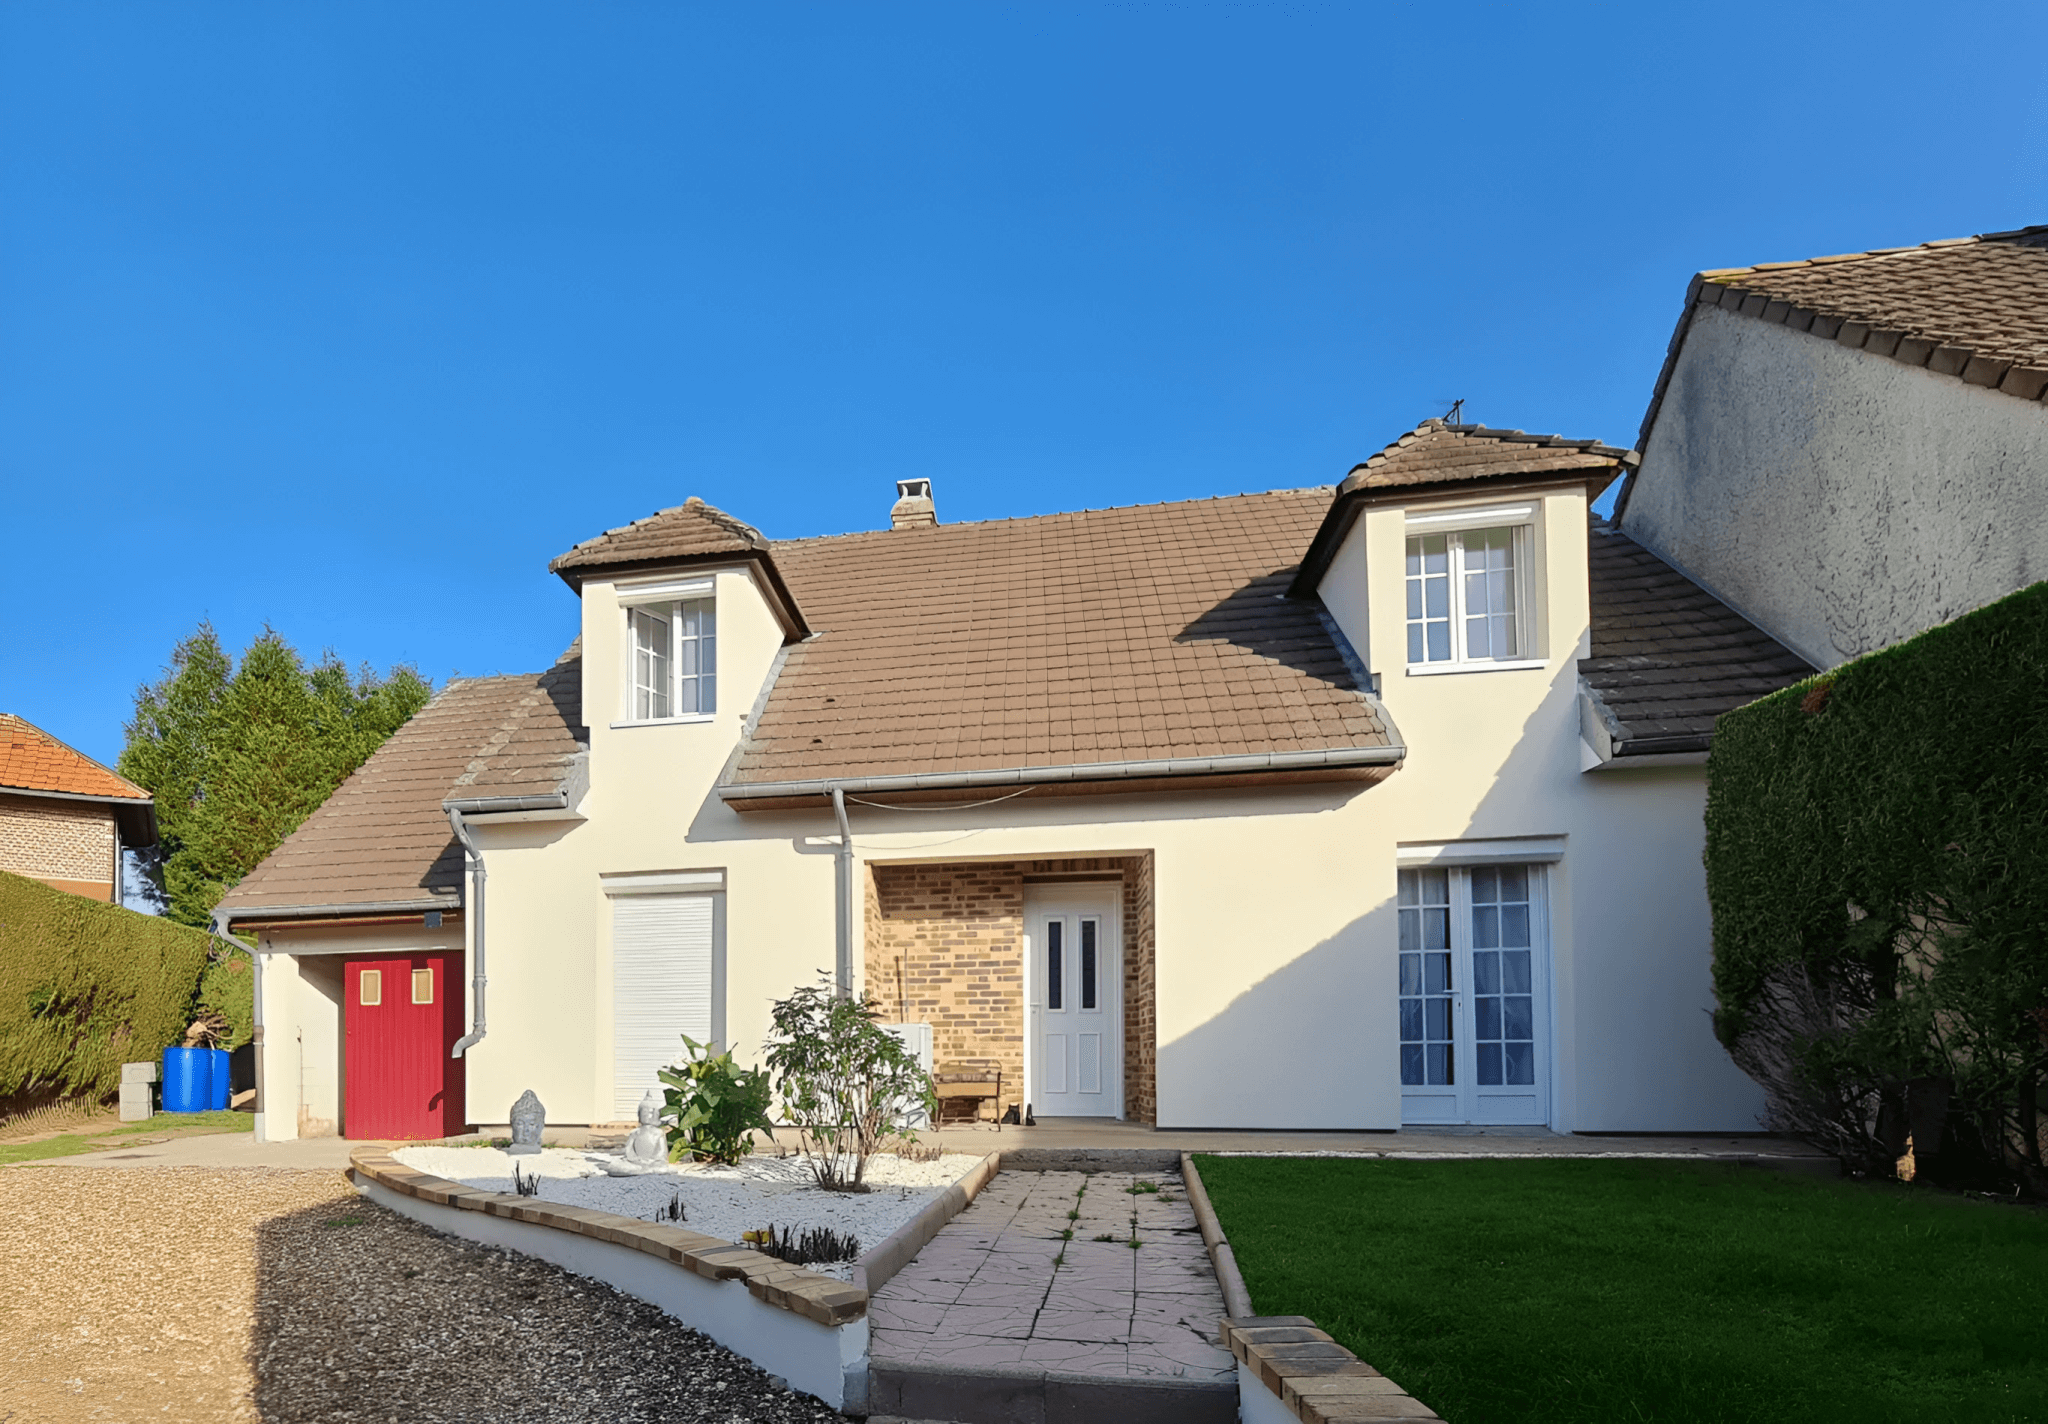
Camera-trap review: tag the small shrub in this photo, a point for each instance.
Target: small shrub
(526, 1185)
(714, 1106)
(846, 1083)
(675, 1211)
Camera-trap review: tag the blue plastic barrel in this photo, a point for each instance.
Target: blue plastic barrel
(188, 1079)
(217, 1090)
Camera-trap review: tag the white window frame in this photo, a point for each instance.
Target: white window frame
(665, 600)
(1453, 525)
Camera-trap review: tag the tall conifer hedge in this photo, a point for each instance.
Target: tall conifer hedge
(1877, 863)
(86, 987)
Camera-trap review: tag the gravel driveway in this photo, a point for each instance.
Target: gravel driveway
(186, 1293)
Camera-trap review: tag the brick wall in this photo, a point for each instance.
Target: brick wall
(945, 946)
(64, 841)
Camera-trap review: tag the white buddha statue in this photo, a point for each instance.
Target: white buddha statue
(647, 1148)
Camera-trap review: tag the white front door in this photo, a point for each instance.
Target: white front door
(1073, 943)
(1474, 995)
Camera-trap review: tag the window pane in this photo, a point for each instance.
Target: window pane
(1514, 882)
(1439, 1063)
(1518, 1020)
(650, 663)
(1436, 973)
(1054, 955)
(1436, 929)
(1411, 1065)
(1436, 1019)
(1415, 643)
(423, 986)
(1521, 1064)
(1485, 885)
(1515, 971)
(1514, 924)
(1411, 933)
(1489, 1065)
(1433, 886)
(372, 987)
(1439, 642)
(1485, 926)
(1486, 1018)
(1088, 964)
(1486, 973)
(1411, 1021)
(1408, 887)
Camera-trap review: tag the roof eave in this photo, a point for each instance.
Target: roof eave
(737, 795)
(451, 900)
(780, 599)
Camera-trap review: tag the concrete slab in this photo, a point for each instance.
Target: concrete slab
(1042, 1328)
(216, 1150)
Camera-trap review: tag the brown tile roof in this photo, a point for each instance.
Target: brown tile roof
(688, 530)
(1972, 307)
(1439, 455)
(1668, 657)
(689, 533)
(1436, 453)
(33, 760)
(382, 838)
(1158, 633)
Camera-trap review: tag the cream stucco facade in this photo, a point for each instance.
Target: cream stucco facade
(1275, 915)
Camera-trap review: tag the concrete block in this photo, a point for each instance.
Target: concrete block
(136, 1105)
(138, 1072)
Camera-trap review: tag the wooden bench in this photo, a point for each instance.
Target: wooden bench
(963, 1086)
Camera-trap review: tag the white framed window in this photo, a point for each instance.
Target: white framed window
(672, 657)
(1469, 596)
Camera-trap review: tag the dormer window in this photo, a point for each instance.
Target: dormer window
(1468, 590)
(672, 652)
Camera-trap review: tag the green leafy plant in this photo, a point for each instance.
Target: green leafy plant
(846, 1083)
(713, 1106)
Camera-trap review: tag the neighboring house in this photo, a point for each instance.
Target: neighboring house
(64, 818)
(1307, 809)
(1852, 450)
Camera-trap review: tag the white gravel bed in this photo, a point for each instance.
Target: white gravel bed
(724, 1202)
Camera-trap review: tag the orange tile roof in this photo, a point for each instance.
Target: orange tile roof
(33, 760)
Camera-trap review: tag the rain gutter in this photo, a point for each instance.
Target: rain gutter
(1335, 758)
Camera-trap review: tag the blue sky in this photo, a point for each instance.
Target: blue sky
(348, 317)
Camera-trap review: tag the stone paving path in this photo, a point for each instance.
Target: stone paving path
(999, 1291)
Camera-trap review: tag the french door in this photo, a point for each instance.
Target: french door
(1474, 995)
(1074, 1040)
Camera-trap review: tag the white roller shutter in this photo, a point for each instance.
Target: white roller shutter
(661, 988)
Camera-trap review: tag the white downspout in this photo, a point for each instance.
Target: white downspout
(475, 906)
(843, 975)
(220, 931)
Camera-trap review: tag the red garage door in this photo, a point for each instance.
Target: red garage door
(403, 1014)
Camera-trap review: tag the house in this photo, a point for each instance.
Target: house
(64, 818)
(1315, 808)
(1851, 450)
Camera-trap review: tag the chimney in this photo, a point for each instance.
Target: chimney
(913, 507)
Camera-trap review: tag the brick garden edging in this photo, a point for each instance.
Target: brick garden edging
(1287, 1367)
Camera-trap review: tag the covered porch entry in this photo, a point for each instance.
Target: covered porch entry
(1042, 967)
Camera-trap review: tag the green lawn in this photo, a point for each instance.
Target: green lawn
(1555, 1290)
(161, 1128)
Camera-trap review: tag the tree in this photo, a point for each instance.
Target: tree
(238, 756)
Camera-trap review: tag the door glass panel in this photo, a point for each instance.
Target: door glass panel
(1503, 1006)
(1426, 978)
(1055, 953)
(423, 986)
(372, 987)
(1088, 964)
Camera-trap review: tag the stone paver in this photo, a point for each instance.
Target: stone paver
(999, 1290)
